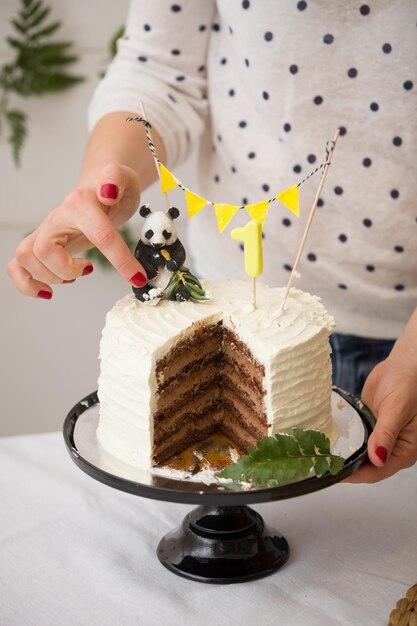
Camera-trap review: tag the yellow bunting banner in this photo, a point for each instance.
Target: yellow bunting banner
(258, 211)
(168, 180)
(194, 202)
(289, 197)
(224, 213)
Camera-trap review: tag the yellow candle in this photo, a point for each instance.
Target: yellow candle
(251, 235)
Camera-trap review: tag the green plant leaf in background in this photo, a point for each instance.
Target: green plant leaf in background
(18, 130)
(37, 69)
(282, 459)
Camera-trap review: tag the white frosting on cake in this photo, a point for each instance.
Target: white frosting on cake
(292, 344)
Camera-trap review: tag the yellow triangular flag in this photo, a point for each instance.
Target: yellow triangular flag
(168, 180)
(289, 197)
(194, 202)
(258, 211)
(224, 213)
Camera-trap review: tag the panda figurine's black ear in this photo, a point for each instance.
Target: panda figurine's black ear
(173, 212)
(144, 210)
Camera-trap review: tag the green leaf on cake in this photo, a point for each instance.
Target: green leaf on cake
(282, 459)
(182, 280)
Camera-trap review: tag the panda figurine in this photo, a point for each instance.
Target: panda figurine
(159, 251)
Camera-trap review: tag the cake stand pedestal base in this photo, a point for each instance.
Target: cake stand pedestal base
(223, 544)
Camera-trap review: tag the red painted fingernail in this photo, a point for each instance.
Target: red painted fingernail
(46, 295)
(87, 270)
(65, 282)
(109, 191)
(139, 280)
(381, 453)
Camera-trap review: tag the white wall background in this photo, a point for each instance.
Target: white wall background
(49, 349)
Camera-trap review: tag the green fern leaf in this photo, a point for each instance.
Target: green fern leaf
(16, 121)
(15, 43)
(66, 59)
(53, 83)
(284, 458)
(38, 67)
(48, 52)
(39, 16)
(30, 8)
(48, 30)
(36, 56)
(19, 26)
(113, 42)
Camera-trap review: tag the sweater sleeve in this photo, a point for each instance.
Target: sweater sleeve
(161, 60)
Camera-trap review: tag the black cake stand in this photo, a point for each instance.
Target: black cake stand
(222, 540)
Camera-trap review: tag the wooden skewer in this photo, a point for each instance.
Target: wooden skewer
(254, 292)
(310, 217)
(155, 160)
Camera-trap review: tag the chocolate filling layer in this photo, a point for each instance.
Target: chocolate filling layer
(189, 383)
(205, 341)
(209, 397)
(209, 381)
(186, 435)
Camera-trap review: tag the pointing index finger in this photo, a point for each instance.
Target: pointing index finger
(99, 230)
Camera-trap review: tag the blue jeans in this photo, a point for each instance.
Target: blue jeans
(354, 357)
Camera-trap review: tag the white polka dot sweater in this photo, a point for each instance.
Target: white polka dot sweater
(264, 85)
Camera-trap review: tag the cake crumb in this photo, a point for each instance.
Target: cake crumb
(341, 404)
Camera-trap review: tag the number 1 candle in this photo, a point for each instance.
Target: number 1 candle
(251, 236)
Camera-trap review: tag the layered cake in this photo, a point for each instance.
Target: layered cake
(174, 373)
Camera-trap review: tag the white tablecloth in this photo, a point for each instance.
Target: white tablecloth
(75, 552)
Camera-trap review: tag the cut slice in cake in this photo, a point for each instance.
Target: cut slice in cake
(172, 374)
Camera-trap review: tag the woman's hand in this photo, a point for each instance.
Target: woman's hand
(89, 216)
(390, 391)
